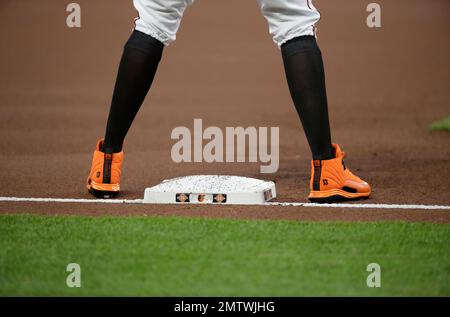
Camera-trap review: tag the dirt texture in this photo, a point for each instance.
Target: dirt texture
(385, 86)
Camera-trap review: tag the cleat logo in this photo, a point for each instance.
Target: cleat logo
(325, 181)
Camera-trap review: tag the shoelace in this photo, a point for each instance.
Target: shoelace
(343, 163)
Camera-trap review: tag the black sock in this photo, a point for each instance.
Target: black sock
(140, 59)
(306, 79)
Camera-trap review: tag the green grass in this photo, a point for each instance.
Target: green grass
(152, 256)
(442, 125)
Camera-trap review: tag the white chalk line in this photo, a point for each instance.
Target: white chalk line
(283, 204)
(70, 200)
(366, 206)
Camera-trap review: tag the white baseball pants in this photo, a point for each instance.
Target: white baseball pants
(287, 19)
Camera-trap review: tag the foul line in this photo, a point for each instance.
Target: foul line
(366, 206)
(71, 200)
(291, 204)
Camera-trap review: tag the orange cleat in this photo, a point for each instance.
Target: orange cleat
(331, 181)
(104, 179)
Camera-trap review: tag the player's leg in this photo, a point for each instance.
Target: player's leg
(156, 27)
(292, 25)
(137, 68)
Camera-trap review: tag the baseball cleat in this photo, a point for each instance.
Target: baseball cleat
(104, 179)
(331, 181)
